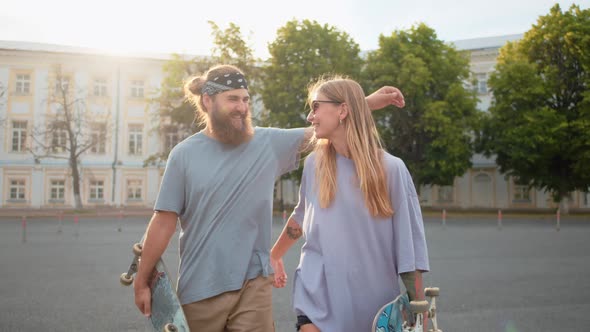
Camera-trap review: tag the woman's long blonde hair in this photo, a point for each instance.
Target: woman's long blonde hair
(363, 142)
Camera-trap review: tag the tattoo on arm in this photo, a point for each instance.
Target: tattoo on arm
(294, 232)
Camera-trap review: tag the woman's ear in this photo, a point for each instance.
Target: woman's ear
(343, 112)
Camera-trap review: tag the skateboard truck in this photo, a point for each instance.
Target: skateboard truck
(433, 293)
(127, 277)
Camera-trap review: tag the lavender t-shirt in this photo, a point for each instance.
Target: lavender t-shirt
(350, 261)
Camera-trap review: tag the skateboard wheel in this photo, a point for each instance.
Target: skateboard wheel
(419, 306)
(125, 279)
(137, 248)
(431, 291)
(170, 328)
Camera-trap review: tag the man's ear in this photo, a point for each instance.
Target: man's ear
(207, 102)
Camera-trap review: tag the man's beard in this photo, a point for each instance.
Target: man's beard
(221, 125)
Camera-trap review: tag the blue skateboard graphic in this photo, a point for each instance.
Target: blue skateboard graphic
(401, 315)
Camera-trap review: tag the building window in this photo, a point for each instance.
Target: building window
(137, 89)
(171, 137)
(586, 198)
(59, 138)
(96, 190)
(17, 190)
(62, 84)
(482, 83)
(23, 84)
(134, 190)
(482, 178)
(19, 135)
(98, 133)
(100, 87)
(58, 189)
(135, 139)
(445, 193)
(522, 194)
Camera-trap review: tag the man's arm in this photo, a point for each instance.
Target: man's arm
(385, 96)
(158, 234)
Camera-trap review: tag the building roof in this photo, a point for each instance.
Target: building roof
(485, 42)
(54, 48)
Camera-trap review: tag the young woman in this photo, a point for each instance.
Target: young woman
(360, 217)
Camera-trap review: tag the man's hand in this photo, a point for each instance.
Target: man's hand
(280, 277)
(143, 297)
(386, 96)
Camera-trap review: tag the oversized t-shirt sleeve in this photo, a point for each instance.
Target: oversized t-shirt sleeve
(172, 189)
(411, 252)
(299, 210)
(286, 146)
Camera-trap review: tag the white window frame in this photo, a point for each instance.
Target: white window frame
(482, 83)
(98, 135)
(134, 190)
(100, 87)
(137, 88)
(57, 190)
(445, 194)
(135, 146)
(62, 83)
(59, 139)
(23, 84)
(96, 190)
(521, 194)
(171, 137)
(17, 190)
(19, 136)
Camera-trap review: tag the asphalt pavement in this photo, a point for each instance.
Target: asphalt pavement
(522, 275)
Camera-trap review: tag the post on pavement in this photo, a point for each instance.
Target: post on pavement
(24, 228)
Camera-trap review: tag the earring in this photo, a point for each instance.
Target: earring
(340, 121)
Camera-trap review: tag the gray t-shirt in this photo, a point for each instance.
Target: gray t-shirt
(223, 196)
(350, 261)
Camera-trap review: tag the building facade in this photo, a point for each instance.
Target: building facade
(483, 186)
(113, 92)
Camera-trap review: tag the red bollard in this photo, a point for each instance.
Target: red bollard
(284, 215)
(558, 225)
(499, 219)
(444, 217)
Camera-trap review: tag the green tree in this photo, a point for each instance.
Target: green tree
(174, 120)
(539, 121)
(433, 133)
(302, 51)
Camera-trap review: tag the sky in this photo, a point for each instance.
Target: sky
(175, 26)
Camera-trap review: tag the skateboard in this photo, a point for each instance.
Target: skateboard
(401, 315)
(167, 314)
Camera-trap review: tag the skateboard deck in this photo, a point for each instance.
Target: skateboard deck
(167, 314)
(401, 315)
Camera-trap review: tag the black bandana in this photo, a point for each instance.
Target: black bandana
(223, 83)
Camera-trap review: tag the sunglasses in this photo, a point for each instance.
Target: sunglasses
(316, 103)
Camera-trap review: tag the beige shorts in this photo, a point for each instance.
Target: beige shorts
(245, 310)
